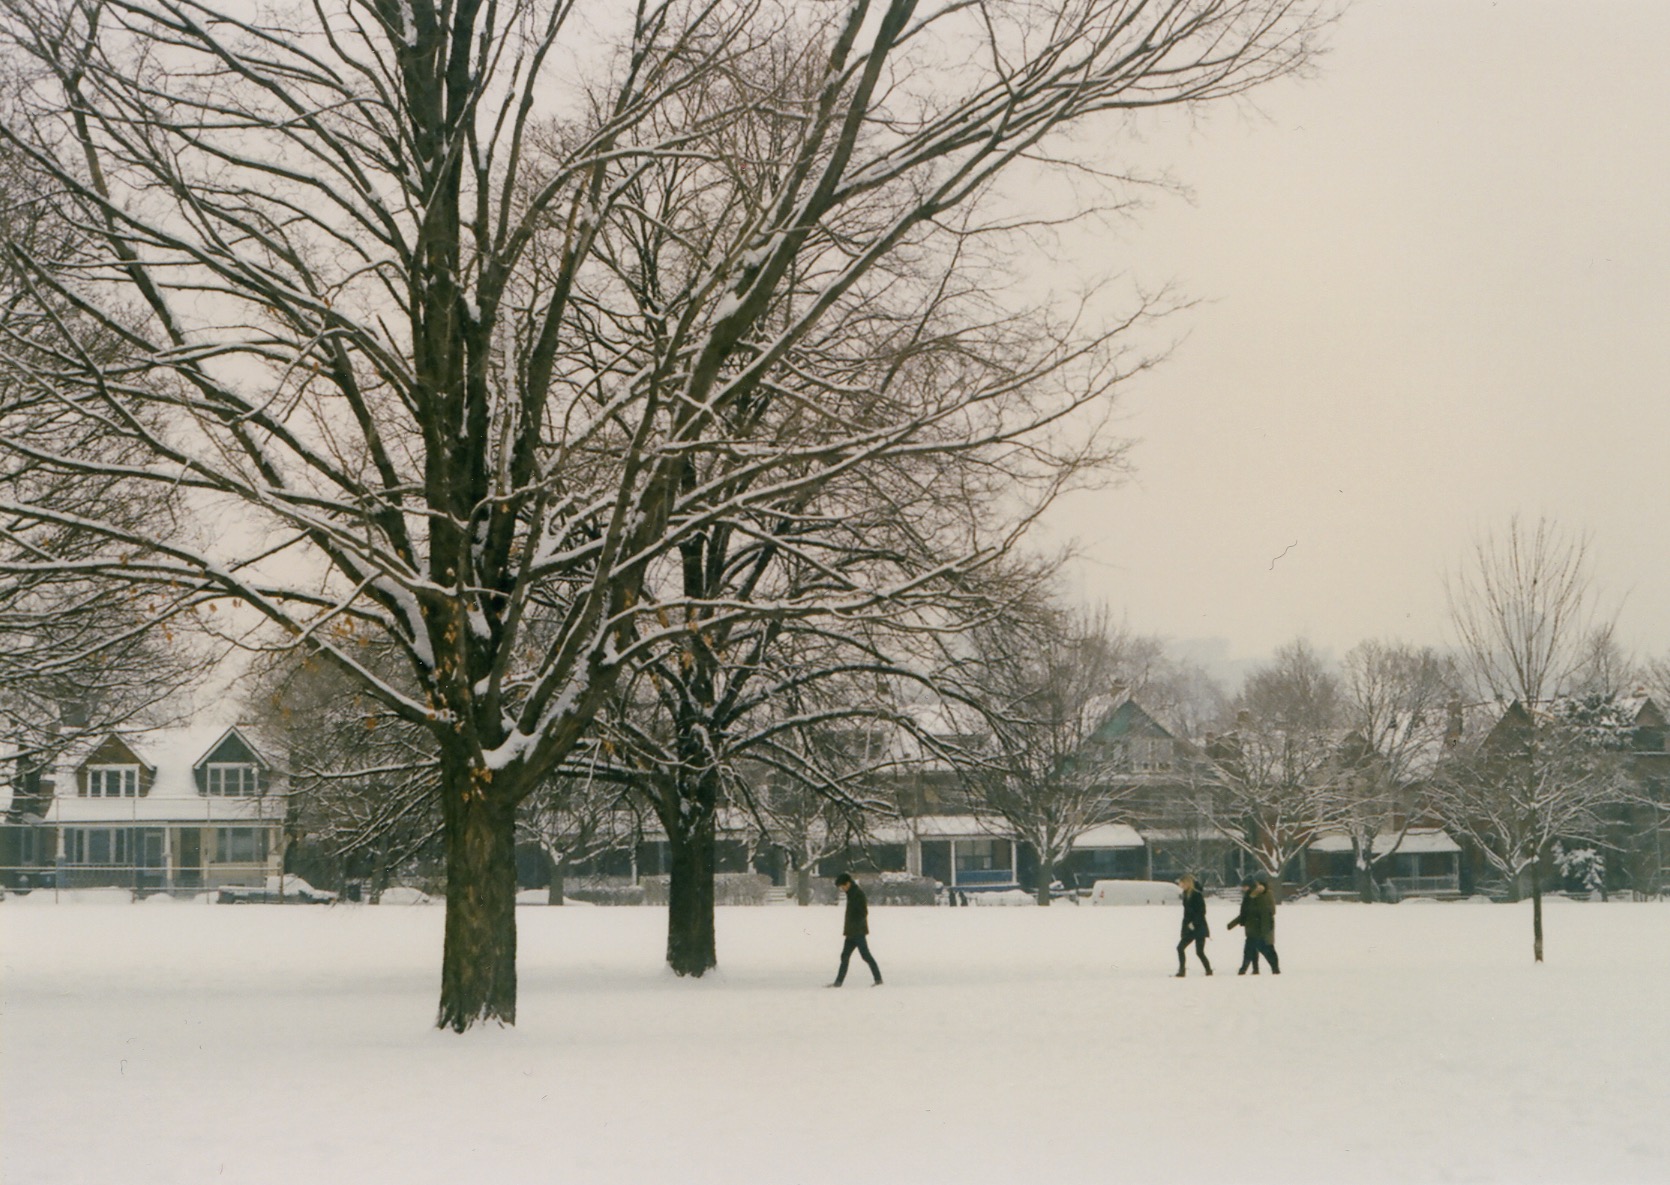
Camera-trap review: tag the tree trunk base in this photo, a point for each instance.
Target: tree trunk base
(478, 962)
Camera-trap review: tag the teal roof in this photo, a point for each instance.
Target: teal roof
(1128, 719)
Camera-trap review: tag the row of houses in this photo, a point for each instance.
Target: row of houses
(194, 809)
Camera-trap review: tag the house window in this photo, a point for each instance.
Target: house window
(97, 845)
(1435, 864)
(240, 845)
(112, 781)
(982, 855)
(232, 779)
(1153, 753)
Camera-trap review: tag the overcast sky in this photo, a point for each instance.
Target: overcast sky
(1435, 291)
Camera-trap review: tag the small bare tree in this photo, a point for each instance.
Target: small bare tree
(1524, 611)
(1539, 777)
(1044, 678)
(1278, 768)
(1395, 710)
(578, 815)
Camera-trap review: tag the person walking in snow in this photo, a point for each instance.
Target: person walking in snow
(1194, 925)
(855, 929)
(1249, 954)
(1258, 916)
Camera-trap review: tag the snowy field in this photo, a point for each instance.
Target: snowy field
(173, 1044)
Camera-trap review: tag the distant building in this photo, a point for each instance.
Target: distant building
(160, 811)
(1427, 862)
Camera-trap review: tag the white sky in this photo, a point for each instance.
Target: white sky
(1435, 285)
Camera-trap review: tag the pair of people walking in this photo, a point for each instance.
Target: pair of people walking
(1257, 919)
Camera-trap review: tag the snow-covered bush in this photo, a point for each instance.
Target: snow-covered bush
(1583, 868)
(729, 888)
(1113, 892)
(606, 894)
(899, 888)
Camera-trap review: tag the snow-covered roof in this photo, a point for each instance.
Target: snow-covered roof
(889, 831)
(1109, 835)
(1419, 839)
(956, 827)
(1182, 834)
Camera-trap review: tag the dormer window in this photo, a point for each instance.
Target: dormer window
(112, 781)
(232, 779)
(1152, 753)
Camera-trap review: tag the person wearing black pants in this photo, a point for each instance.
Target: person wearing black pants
(1249, 953)
(856, 930)
(1194, 925)
(1258, 915)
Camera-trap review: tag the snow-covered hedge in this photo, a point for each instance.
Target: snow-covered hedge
(606, 894)
(729, 888)
(898, 888)
(1135, 893)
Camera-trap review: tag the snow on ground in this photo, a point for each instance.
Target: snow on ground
(275, 1045)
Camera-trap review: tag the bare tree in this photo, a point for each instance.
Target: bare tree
(1044, 678)
(1395, 708)
(357, 260)
(578, 815)
(1524, 611)
(363, 782)
(826, 771)
(77, 656)
(1540, 776)
(1278, 768)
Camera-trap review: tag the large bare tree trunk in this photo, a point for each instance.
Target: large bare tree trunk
(691, 949)
(478, 962)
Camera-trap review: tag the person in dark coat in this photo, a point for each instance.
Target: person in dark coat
(1194, 925)
(1258, 916)
(856, 929)
(1249, 955)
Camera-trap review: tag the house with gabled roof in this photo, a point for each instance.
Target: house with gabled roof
(166, 810)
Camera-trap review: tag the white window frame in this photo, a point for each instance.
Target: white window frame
(126, 778)
(248, 779)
